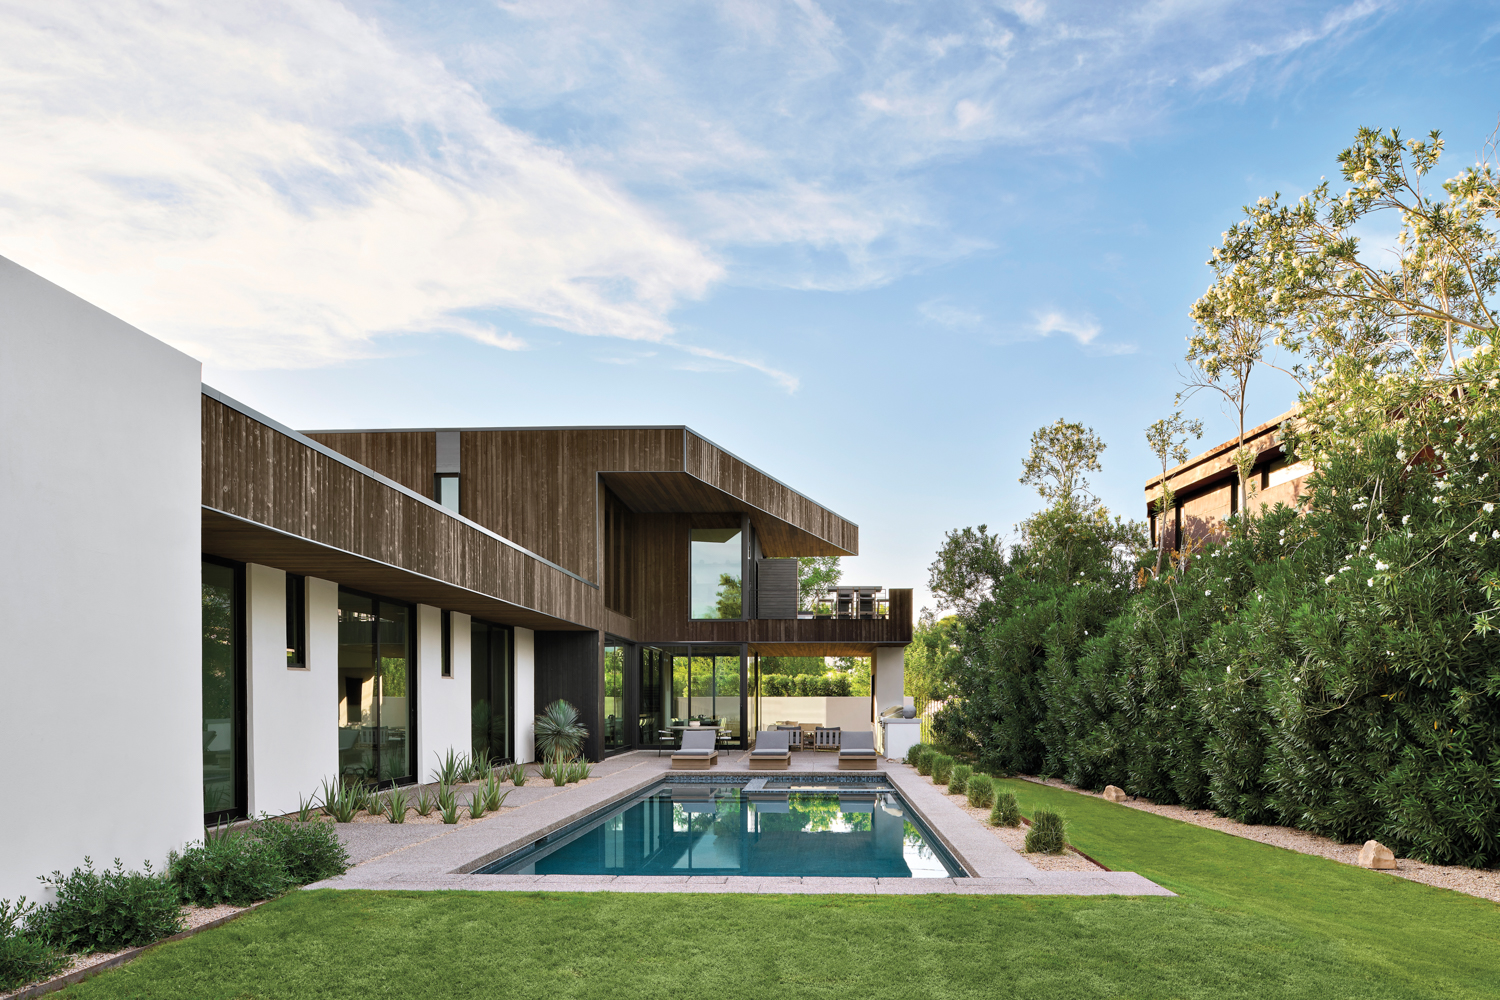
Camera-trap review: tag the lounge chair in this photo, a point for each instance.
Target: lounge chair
(826, 738)
(793, 733)
(697, 753)
(771, 751)
(857, 752)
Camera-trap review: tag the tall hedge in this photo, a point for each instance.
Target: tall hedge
(1335, 670)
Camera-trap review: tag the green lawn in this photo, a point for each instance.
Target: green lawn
(1252, 921)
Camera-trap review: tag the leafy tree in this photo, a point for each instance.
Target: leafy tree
(1060, 455)
(965, 568)
(815, 574)
(931, 658)
(1168, 441)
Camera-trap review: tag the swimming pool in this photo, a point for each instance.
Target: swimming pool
(765, 827)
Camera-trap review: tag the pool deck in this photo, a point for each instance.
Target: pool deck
(426, 857)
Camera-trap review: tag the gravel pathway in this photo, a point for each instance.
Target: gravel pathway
(1481, 882)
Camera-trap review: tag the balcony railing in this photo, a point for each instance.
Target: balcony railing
(851, 603)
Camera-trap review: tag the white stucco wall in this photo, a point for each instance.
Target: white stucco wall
(525, 694)
(101, 681)
(846, 713)
(890, 677)
(291, 738)
(443, 716)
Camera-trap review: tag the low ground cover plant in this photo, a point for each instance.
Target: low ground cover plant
(981, 789)
(106, 910)
(24, 956)
(1005, 811)
(1048, 833)
(958, 781)
(241, 867)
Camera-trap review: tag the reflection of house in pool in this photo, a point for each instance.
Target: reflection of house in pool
(288, 608)
(1208, 489)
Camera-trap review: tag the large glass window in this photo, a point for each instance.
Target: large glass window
(377, 689)
(654, 694)
(614, 696)
(223, 691)
(492, 685)
(716, 566)
(708, 688)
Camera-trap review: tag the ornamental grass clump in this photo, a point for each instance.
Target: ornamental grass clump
(981, 789)
(107, 910)
(958, 781)
(913, 753)
(1006, 811)
(942, 769)
(1048, 833)
(24, 956)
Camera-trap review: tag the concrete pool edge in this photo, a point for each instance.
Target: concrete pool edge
(447, 860)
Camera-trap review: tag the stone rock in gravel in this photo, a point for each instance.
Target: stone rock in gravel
(1114, 793)
(1376, 855)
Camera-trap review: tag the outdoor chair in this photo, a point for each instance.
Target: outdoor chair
(771, 751)
(665, 738)
(793, 733)
(826, 738)
(697, 752)
(857, 752)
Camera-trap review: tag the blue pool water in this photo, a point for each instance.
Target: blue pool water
(708, 829)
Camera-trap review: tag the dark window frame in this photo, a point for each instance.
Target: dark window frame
(240, 718)
(296, 622)
(413, 679)
(446, 670)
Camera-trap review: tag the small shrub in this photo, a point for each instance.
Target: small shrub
(447, 803)
(981, 789)
(958, 781)
(24, 957)
(942, 769)
(1048, 833)
(235, 868)
(107, 910)
(1006, 812)
(913, 753)
(924, 761)
(424, 802)
(310, 852)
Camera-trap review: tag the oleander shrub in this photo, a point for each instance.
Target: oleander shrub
(107, 910)
(959, 780)
(981, 789)
(230, 867)
(1006, 811)
(924, 761)
(1048, 833)
(24, 956)
(311, 852)
(942, 769)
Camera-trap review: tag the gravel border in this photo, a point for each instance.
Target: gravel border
(1481, 882)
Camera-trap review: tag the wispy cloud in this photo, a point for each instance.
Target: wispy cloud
(1081, 328)
(717, 360)
(946, 313)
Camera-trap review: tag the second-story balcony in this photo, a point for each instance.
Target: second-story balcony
(850, 602)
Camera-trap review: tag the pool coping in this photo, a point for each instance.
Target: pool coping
(448, 859)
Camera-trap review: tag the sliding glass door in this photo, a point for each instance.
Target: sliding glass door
(223, 690)
(616, 736)
(377, 689)
(492, 686)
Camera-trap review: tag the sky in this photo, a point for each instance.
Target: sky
(868, 247)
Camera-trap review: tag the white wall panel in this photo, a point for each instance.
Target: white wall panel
(442, 702)
(525, 694)
(100, 579)
(290, 714)
(890, 677)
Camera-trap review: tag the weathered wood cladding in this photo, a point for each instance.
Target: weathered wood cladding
(407, 457)
(720, 469)
(256, 473)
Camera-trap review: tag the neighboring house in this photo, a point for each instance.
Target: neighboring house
(211, 613)
(1208, 489)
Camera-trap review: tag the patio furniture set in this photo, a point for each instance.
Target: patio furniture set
(773, 750)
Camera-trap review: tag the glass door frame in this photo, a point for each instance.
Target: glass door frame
(674, 649)
(630, 695)
(414, 762)
(239, 719)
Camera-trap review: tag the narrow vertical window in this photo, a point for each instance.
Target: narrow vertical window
(446, 490)
(296, 622)
(447, 644)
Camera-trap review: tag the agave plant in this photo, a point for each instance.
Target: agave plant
(559, 734)
(447, 803)
(451, 769)
(424, 802)
(395, 805)
(516, 773)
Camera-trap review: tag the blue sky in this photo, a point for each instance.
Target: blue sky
(869, 246)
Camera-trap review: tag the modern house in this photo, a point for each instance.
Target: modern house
(1208, 487)
(213, 613)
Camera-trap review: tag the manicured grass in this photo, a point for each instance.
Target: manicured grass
(1252, 921)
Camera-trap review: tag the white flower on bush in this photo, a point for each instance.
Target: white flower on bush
(1330, 578)
(1473, 536)
(1405, 519)
(1370, 582)
(1380, 567)
(1489, 508)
